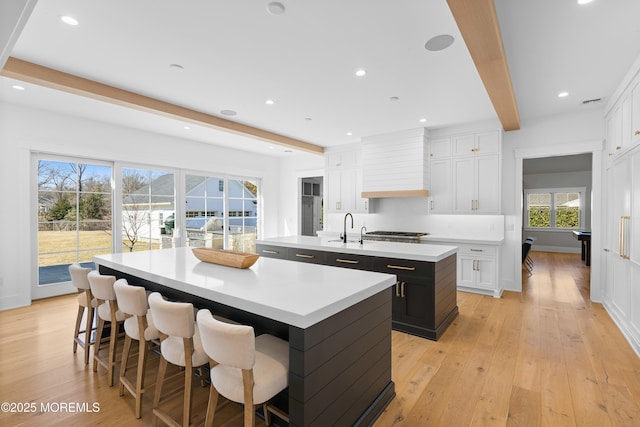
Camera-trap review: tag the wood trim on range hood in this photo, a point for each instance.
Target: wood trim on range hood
(54, 79)
(399, 193)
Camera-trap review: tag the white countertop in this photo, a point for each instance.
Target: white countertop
(413, 251)
(478, 240)
(294, 293)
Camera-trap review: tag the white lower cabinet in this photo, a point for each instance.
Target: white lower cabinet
(478, 269)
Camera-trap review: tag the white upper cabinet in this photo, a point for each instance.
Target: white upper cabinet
(465, 177)
(440, 148)
(441, 191)
(344, 181)
(477, 143)
(635, 113)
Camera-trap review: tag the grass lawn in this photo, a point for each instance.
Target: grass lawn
(59, 247)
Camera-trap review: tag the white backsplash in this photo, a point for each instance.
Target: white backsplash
(411, 214)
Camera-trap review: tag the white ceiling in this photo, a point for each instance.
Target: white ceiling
(236, 55)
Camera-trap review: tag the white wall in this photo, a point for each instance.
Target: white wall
(23, 131)
(549, 136)
(291, 170)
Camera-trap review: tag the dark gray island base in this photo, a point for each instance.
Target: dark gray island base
(424, 299)
(340, 367)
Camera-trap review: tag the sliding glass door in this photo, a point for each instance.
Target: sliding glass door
(74, 218)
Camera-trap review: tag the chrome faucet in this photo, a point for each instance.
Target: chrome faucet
(363, 228)
(344, 233)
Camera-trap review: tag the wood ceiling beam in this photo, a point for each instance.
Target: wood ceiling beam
(51, 78)
(478, 24)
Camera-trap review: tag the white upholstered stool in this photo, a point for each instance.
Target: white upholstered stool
(244, 368)
(102, 289)
(132, 301)
(180, 345)
(87, 302)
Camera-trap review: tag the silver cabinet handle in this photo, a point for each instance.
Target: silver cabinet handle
(397, 288)
(476, 250)
(267, 251)
(305, 256)
(347, 261)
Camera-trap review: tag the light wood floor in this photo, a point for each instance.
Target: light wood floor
(546, 357)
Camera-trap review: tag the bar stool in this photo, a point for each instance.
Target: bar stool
(102, 288)
(132, 301)
(180, 345)
(85, 301)
(244, 368)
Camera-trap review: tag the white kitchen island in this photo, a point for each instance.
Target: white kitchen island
(337, 322)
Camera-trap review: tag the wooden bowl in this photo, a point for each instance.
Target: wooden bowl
(226, 257)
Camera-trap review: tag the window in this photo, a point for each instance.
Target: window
(74, 215)
(555, 209)
(147, 197)
(218, 219)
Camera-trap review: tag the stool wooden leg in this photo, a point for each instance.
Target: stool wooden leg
(188, 376)
(211, 406)
(162, 369)
(77, 328)
(112, 352)
(96, 347)
(142, 364)
(249, 410)
(123, 362)
(87, 334)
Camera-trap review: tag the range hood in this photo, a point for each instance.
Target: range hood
(395, 165)
(394, 193)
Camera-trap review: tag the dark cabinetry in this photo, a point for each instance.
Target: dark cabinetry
(423, 299)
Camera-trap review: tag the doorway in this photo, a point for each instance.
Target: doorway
(311, 218)
(595, 148)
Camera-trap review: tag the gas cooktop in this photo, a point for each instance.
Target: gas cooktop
(394, 236)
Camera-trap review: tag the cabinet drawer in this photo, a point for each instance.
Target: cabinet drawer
(359, 262)
(403, 267)
(271, 251)
(306, 255)
(477, 250)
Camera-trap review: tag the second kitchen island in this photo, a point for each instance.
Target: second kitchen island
(424, 298)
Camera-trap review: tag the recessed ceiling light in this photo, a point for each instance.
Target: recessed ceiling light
(288, 151)
(349, 133)
(271, 147)
(176, 67)
(393, 98)
(423, 120)
(69, 20)
(439, 42)
(361, 72)
(308, 119)
(18, 87)
(584, 1)
(269, 102)
(563, 94)
(186, 128)
(228, 112)
(275, 8)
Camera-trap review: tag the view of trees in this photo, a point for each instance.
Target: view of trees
(558, 210)
(66, 194)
